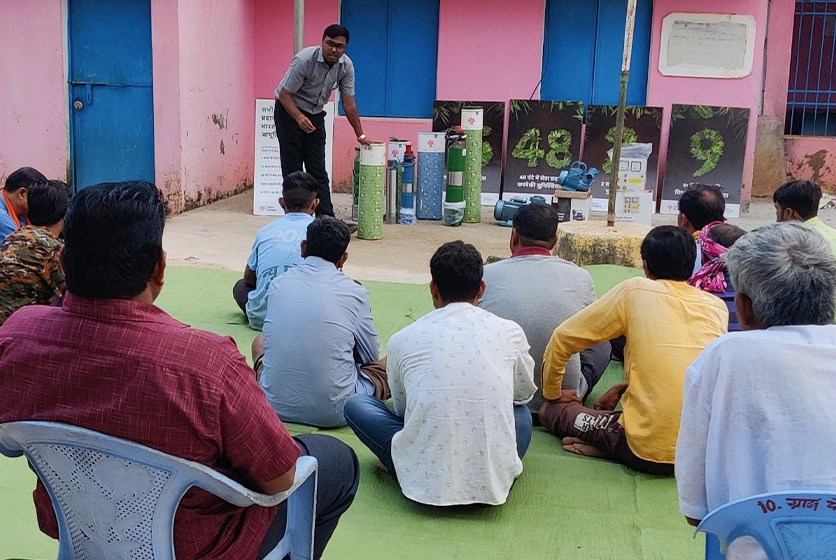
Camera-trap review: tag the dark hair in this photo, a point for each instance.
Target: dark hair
(456, 269)
(669, 252)
(23, 177)
(536, 224)
(703, 204)
(299, 190)
(335, 30)
(726, 234)
(327, 239)
(48, 202)
(113, 239)
(801, 196)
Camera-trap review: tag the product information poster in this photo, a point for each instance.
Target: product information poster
(448, 115)
(544, 138)
(641, 125)
(707, 146)
(267, 181)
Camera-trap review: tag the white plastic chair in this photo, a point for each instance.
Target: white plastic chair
(117, 499)
(788, 525)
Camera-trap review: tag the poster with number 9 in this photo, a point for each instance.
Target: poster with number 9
(544, 138)
(707, 146)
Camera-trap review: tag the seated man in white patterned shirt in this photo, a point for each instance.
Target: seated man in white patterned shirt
(460, 378)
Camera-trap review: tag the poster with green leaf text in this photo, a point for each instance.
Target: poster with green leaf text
(544, 138)
(707, 146)
(641, 124)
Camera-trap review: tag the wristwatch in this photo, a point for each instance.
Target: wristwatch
(361, 137)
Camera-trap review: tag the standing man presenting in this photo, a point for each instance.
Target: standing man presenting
(300, 98)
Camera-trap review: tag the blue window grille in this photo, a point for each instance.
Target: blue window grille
(811, 97)
(394, 46)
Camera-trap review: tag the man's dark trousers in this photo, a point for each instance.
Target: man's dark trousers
(298, 147)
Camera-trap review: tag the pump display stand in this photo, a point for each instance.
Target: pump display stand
(472, 127)
(430, 187)
(371, 200)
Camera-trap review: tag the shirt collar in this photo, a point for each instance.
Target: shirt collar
(529, 251)
(321, 58)
(319, 262)
(118, 310)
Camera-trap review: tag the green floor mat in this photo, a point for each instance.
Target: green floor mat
(563, 506)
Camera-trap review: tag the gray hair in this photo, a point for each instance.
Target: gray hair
(788, 271)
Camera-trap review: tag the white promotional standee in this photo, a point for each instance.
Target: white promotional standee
(634, 207)
(267, 176)
(430, 187)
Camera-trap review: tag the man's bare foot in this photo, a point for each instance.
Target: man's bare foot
(382, 467)
(580, 447)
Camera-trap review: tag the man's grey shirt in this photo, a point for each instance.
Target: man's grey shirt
(310, 80)
(317, 332)
(539, 292)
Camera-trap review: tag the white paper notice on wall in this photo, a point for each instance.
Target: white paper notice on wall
(267, 180)
(707, 45)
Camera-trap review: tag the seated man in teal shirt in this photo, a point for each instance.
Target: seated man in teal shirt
(799, 201)
(14, 207)
(277, 246)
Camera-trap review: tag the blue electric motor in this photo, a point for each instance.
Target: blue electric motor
(577, 178)
(506, 210)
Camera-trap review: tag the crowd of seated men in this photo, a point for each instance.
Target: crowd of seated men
(726, 341)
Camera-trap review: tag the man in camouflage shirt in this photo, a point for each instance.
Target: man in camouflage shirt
(30, 258)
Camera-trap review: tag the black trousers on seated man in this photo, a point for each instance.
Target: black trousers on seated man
(298, 148)
(339, 475)
(241, 294)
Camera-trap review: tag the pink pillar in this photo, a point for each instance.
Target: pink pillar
(33, 95)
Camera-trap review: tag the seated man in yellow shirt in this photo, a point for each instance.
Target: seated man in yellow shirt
(667, 324)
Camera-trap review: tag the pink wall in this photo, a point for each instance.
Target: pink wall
(487, 53)
(812, 158)
(779, 54)
(33, 98)
(165, 39)
(274, 37)
(664, 91)
(217, 109)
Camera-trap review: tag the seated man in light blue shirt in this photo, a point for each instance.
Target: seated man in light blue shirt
(14, 205)
(319, 345)
(277, 246)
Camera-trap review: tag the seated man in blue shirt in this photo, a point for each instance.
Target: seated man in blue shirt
(319, 345)
(15, 206)
(277, 246)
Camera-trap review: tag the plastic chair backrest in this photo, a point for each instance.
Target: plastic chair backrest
(117, 499)
(788, 525)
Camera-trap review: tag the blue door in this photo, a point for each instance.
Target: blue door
(111, 101)
(582, 49)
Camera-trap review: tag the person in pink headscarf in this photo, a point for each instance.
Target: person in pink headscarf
(713, 277)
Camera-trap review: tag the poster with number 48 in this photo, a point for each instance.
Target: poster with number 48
(707, 146)
(544, 138)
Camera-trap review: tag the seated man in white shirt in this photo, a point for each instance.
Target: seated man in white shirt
(460, 378)
(758, 411)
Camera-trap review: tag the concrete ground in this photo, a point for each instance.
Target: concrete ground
(220, 236)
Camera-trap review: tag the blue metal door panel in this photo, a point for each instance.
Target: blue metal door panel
(569, 50)
(112, 135)
(111, 96)
(413, 58)
(610, 47)
(367, 21)
(582, 49)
